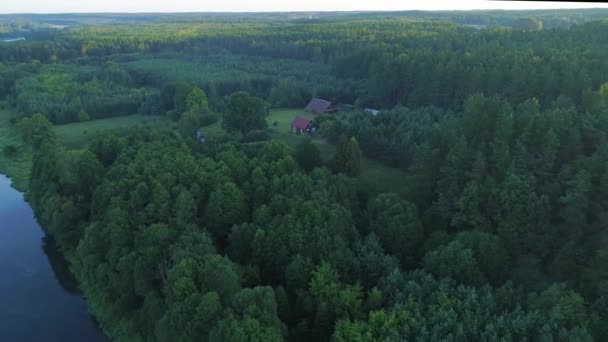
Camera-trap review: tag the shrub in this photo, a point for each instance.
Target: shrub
(83, 116)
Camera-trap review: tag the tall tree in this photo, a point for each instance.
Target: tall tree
(308, 155)
(244, 113)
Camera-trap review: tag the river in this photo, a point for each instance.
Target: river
(39, 299)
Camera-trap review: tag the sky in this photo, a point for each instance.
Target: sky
(83, 6)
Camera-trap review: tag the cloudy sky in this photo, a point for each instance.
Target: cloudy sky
(64, 6)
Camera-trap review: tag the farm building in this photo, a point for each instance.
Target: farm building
(301, 124)
(373, 112)
(319, 106)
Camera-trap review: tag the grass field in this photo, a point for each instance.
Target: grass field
(77, 134)
(374, 178)
(18, 166)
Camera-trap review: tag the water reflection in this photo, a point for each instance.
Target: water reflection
(39, 299)
(60, 266)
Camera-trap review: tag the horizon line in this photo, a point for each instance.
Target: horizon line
(310, 11)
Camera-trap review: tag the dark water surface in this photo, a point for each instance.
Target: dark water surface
(39, 299)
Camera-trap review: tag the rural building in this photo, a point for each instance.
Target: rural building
(373, 112)
(318, 106)
(301, 124)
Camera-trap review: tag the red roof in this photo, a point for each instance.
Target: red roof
(300, 122)
(318, 106)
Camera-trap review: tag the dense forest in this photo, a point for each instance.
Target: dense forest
(500, 130)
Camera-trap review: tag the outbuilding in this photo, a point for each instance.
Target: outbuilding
(318, 106)
(373, 112)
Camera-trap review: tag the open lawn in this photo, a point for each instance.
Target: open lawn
(15, 156)
(375, 177)
(77, 134)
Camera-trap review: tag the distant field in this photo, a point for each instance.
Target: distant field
(375, 177)
(17, 167)
(76, 134)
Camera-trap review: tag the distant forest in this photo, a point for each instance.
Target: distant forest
(498, 122)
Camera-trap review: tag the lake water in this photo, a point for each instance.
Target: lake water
(39, 300)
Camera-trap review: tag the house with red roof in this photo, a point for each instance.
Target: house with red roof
(301, 124)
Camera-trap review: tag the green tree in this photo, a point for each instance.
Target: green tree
(197, 101)
(456, 261)
(227, 206)
(396, 224)
(244, 113)
(83, 116)
(347, 159)
(308, 155)
(36, 131)
(562, 305)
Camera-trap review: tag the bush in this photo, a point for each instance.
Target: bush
(13, 121)
(83, 116)
(275, 124)
(10, 151)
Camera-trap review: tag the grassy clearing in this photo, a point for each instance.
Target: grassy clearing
(77, 134)
(374, 178)
(17, 166)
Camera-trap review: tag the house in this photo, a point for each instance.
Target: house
(318, 106)
(301, 124)
(373, 112)
(200, 136)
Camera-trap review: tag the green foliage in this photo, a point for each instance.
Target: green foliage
(497, 234)
(197, 101)
(189, 123)
(308, 156)
(563, 306)
(75, 94)
(425, 308)
(456, 261)
(152, 105)
(226, 207)
(15, 165)
(244, 113)
(347, 159)
(36, 131)
(396, 224)
(285, 82)
(10, 151)
(83, 116)
(286, 94)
